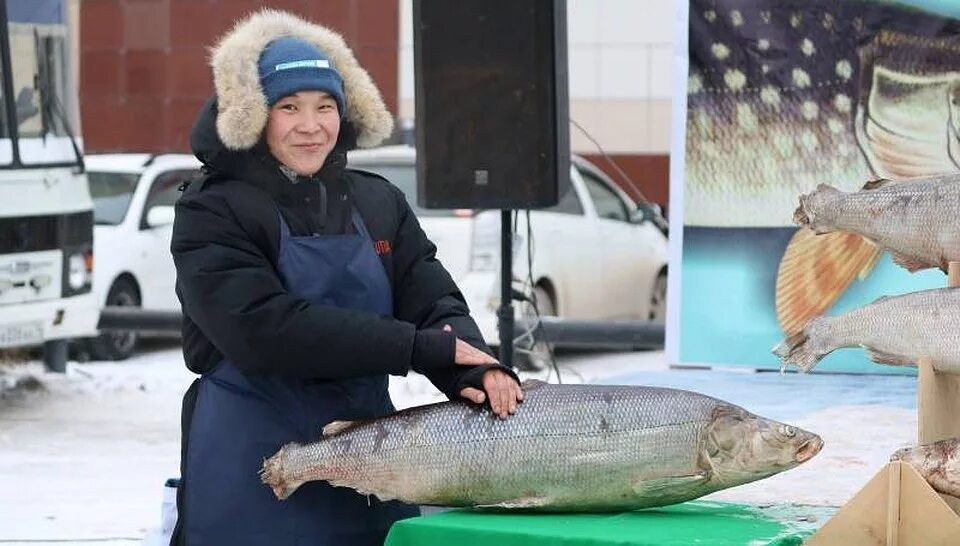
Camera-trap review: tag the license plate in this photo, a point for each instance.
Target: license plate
(22, 333)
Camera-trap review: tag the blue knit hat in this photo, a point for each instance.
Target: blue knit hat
(288, 65)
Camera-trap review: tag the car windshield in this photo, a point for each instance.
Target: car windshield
(111, 193)
(405, 178)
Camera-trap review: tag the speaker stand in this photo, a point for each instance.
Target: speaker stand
(505, 312)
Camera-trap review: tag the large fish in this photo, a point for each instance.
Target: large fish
(895, 330)
(568, 448)
(937, 462)
(915, 219)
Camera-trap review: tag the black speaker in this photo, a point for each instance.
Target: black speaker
(492, 110)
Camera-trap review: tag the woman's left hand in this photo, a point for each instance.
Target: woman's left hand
(502, 389)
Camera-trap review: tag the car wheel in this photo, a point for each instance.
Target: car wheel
(535, 356)
(117, 344)
(658, 299)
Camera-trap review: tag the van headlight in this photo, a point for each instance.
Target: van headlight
(77, 275)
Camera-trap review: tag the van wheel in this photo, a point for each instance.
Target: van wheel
(658, 299)
(117, 344)
(538, 355)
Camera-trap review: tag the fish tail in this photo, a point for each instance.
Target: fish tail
(806, 216)
(800, 216)
(798, 350)
(276, 476)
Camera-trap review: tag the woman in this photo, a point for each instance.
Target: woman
(303, 284)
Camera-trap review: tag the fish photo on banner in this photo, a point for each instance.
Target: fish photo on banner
(784, 97)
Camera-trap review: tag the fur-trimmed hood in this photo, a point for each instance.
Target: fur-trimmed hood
(242, 107)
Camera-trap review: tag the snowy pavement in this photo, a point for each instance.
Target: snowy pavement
(84, 455)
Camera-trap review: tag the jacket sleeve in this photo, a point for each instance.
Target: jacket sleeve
(453, 311)
(233, 293)
(427, 296)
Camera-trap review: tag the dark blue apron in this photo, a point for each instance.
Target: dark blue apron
(239, 420)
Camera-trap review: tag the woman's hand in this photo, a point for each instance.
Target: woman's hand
(468, 355)
(502, 390)
(504, 393)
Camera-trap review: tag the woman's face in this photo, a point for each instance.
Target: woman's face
(302, 129)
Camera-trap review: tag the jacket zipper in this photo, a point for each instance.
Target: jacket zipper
(320, 217)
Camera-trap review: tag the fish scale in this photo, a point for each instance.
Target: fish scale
(569, 447)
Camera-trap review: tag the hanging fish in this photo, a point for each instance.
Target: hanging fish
(915, 219)
(894, 330)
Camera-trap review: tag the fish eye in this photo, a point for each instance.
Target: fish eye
(788, 431)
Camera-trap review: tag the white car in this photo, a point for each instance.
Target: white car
(133, 196)
(595, 255)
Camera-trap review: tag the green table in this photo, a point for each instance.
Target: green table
(692, 523)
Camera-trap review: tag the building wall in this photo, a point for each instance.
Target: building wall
(143, 71)
(620, 55)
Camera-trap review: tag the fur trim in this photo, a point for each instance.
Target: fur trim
(243, 111)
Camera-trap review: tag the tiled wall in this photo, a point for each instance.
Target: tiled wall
(143, 71)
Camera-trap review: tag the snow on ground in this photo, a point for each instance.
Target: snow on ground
(84, 455)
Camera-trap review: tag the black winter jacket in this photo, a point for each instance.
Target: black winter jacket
(226, 244)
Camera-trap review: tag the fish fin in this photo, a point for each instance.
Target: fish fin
(870, 263)
(521, 503)
(336, 427)
(660, 486)
(827, 188)
(881, 357)
(815, 271)
(877, 183)
(909, 263)
(530, 384)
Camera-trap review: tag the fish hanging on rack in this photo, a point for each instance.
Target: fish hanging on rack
(894, 330)
(914, 219)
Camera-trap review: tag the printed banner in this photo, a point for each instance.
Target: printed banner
(783, 96)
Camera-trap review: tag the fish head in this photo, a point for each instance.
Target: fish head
(925, 455)
(741, 447)
(819, 209)
(902, 454)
